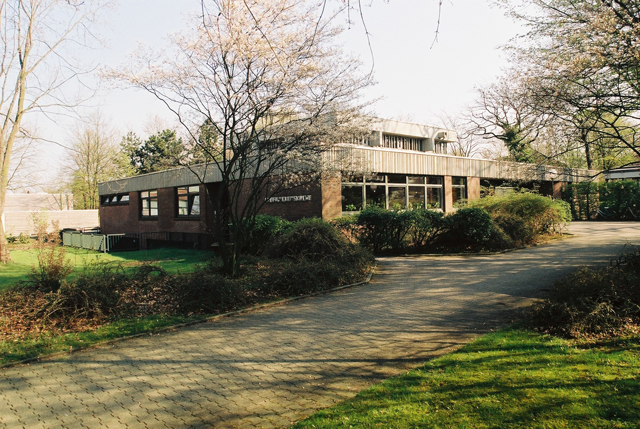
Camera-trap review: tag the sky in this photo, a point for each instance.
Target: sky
(418, 80)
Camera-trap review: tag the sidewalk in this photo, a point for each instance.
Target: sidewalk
(275, 366)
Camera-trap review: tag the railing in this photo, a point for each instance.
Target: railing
(185, 240)
(143, 241)
(101, 243)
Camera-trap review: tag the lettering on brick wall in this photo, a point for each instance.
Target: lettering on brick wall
(289, 199)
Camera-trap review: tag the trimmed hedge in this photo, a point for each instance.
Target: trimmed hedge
(524, 216)
(490, 223)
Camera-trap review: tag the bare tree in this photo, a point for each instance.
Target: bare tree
(94, 156)
(580, 59)
(24, 167)
(503, 112)
(33, 73)
(268, 82)
(469, 143)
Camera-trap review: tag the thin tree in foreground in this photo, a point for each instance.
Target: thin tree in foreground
(268, 86)
(33, 35)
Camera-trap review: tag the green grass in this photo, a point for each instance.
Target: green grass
(172, 260)
(508, 379)
(46, 344)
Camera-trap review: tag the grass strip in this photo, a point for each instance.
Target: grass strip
(171, 260)
(49, 343)
(508, 379)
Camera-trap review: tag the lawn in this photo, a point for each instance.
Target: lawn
(172, 260)
(508, 379)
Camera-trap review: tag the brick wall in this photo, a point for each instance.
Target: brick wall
(294, 210)
(448, 196)
(126, 218)
(473, 188)
(331, 197)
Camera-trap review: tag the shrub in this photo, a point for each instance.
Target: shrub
(52, 269)
(348, 226)
(265, 230)
(541, 214)
(205, 291)
(381, 229)
(313, 256)
(620, 199)
(310, 239)
(591, 303)
(287, 277)
(427, 226)
(470, 227)
(517, 230)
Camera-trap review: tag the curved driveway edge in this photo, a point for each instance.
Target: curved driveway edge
(277, 365)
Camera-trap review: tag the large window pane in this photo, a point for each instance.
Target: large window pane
(459, 188)
(188, 200)
(154, 207)
(376, 196)
(375, 178)
(434, 198)
(434, 180)
(416, 197)
(195, 205)
(416, 180)
(353, 178)
(396, 178)
(458, 194)
(183, 205)
(351, 198)
(397, 198)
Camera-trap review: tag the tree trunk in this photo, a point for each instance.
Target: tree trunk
(4, 245)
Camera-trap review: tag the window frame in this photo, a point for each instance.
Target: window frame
(431, 185)
(147, 196)
(191, 196)
(108, 200)
(455, 187)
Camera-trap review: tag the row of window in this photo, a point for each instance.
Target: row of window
(400, 142)
(394, 191)
(187, 197)
(112, 200)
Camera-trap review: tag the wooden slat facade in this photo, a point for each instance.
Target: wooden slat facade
(370, 160)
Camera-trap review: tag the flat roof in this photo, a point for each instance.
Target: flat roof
(371, 160)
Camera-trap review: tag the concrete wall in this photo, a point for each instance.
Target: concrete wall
(22, 222)
(37, 202)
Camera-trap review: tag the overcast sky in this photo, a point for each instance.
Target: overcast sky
(416, 81)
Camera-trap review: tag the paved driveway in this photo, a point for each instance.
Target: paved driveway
(275, 366)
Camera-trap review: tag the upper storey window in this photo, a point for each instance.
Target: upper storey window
(401, 142)
(441, 147)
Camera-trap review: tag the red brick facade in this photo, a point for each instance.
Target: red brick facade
(321, 199)
(125, 218)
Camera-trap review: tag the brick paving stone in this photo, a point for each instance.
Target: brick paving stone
(274, 366)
